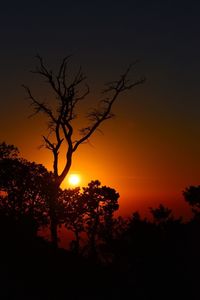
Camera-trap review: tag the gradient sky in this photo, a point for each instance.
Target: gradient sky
(150, 151)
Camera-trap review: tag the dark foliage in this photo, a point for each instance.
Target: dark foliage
(90, 211)
(25, 188)
(192, 197)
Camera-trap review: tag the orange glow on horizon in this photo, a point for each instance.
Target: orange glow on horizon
(154, 165)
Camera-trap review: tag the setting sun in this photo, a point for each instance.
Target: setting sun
(74, 179)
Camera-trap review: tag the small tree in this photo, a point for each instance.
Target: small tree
(101, 203)
(192, 197)
(161, 214)
(74, 209)
(24, 189)
(90, 211)
(69, 92)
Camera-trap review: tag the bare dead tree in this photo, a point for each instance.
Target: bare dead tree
(68, 93)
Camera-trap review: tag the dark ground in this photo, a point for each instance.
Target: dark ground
(144, 269)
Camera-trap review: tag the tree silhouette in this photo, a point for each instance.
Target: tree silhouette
(74, 210)
(69, 92)
(8, 151)
(101, 202)
(192, 197)
(90, 211)
(24, 189)
(161, 214)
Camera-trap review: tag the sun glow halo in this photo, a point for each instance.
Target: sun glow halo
(74, 179)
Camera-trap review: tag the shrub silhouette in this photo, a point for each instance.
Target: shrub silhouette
(25, 188)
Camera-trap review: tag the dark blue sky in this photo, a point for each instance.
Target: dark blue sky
(163, 34)
(159, 31)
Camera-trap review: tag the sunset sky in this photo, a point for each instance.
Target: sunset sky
(150, 150)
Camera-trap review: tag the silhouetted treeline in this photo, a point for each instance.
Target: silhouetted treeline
(109, 258)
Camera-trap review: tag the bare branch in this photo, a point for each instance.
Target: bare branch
(123, 83)
(38, 106)
(49, 145)
(99, 116)
(87, 91)
(63, 66)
